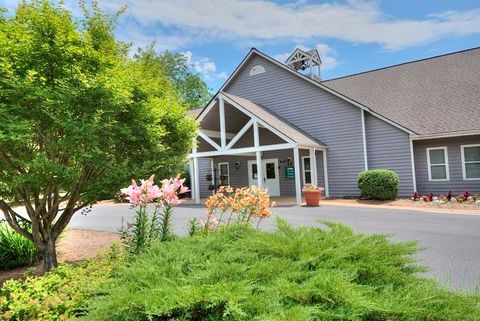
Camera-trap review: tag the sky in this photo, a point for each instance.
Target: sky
(351, 36)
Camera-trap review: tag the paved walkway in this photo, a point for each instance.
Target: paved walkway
(451, 242)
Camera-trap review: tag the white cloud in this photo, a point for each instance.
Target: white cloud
(328, 55)
(355, 21)
(204, 66)
(131, 34)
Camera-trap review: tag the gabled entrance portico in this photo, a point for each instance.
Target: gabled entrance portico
(235, 131)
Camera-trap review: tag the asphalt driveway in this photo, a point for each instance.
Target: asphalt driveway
(450, 242)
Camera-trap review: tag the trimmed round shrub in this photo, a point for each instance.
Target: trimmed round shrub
(379, 184)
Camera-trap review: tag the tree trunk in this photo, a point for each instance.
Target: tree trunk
(49, 256)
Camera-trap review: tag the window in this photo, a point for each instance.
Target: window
(270, 169)
(224, 174)
(437, 158)
(254, 171)
(257, 70)
(307, 170)
(471, 162)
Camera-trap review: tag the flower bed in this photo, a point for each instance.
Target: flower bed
(448, 198)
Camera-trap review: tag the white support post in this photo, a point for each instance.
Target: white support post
(412, 160)
(364, 139)
(223, 134)
(256, 135)
(296, 165)
(196, 180)
(259, 169)
(325, 173)
(192, 179)
(313, 166)
(258, 154)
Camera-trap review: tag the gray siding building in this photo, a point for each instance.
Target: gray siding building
(419, 119)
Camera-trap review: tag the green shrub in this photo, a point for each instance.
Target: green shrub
(380, 184)
(62, 293)
(239, 273)
(15, 250)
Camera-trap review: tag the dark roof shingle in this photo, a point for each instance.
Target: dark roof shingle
(429, 96)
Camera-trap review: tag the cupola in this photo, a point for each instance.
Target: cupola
(307, 62)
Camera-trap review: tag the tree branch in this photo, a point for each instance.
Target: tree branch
(7, 160)
(13, 218)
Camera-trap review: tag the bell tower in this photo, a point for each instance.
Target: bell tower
(307, 62)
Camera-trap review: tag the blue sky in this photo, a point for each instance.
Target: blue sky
(351, 36)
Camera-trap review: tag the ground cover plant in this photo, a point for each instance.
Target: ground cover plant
(241, 273)
(58, 295)
(15, 250)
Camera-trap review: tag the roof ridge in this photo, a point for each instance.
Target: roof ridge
(400, 64)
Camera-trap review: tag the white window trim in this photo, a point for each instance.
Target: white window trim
(447, 170)
(464, 170)
(303, 170)
(220, 172)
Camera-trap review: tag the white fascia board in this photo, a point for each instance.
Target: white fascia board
(446, 135)
(216, 134)
(243, 150)
(317, 147)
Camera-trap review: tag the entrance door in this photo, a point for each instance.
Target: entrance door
(271, 179)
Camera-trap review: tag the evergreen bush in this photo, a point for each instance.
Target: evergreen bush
(307, 273)
(379, 184)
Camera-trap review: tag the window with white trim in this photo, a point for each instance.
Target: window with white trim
(471, 162)
(437, 159)
(307, 170)
(223, 174)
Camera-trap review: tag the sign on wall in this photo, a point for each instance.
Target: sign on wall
(289, 172)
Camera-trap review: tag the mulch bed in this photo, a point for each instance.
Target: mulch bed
(407, 203)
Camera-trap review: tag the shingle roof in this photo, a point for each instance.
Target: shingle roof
(429, 96)
(276, 122)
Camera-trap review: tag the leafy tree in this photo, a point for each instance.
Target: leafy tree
(78, 118)
(191, 88)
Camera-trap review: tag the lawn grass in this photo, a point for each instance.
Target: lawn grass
(307, 273)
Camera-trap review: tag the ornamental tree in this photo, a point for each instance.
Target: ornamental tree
(192, 90)
(78, 118)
